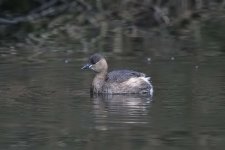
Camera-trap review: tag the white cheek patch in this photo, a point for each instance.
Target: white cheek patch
(92, 67)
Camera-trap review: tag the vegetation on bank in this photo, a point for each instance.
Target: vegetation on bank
(157, 27)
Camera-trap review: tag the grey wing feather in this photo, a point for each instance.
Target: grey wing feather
(122, 75)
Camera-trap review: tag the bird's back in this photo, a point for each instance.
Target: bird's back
(126, 81)
(122, 75)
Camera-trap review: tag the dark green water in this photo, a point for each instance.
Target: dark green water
(46, 105)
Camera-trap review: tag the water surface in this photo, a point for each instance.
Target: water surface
(46, 105)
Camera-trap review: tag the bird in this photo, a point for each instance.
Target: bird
(118, 81)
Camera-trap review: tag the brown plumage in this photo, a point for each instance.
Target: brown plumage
(116, 82)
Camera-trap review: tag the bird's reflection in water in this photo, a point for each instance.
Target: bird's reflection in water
(117, 111)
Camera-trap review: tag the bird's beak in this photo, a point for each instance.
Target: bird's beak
(87, 66)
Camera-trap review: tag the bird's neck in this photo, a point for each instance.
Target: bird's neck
(99, 81)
